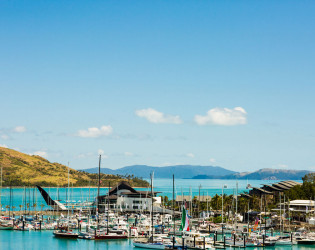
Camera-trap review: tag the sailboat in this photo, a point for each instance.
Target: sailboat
(150, 243)
(248, 186)
(64, 231)
(102, 235)
(5, 222)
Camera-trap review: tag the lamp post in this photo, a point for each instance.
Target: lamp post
(223, 186)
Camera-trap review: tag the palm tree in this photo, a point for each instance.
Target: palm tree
(34, 206)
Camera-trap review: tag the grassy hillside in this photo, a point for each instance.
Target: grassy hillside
(19, 169)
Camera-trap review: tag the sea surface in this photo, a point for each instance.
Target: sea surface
(46, 240)
(20, 197)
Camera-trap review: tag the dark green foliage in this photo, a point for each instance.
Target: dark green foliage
(306, 191)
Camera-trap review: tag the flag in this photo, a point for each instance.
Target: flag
(256, 224)
(185, 221)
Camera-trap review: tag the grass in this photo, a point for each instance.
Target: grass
(21, 169)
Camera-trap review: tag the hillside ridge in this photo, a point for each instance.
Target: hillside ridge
(20, 169)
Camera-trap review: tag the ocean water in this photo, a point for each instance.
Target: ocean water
(45, 239)
(30, 195)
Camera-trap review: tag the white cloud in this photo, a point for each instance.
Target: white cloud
(128, 154)
(3, 145)
(95, 132)
(100, 151)
(223, 116)
(212, 160)
(92, 155)
(85, 155)
(19, 129)
(284, 166)
(191, 155)
(4, 137)
(40, 153)
(81, 156)
(155, 116)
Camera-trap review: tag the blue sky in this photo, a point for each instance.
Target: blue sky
(225, 83)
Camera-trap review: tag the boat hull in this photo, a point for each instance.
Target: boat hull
(6, 227)
(110, 237)
(306, 242)
(149, 245)
(66, 235)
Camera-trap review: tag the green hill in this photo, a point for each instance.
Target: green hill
(19, 169)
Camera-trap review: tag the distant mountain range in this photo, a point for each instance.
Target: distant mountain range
(262, 174)
(180, 171)
(202, 172)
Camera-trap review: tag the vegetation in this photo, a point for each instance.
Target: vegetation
(255, 203)
(23, 170)
(306, 191)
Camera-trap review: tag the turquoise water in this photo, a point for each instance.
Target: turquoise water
(21, 196)
(45, 240)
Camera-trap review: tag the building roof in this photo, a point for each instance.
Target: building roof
(121, 185)
(302, 203)
(245, 195)
(259, 191)
(271, 188)
(275, 187)
(293, 182)
(287, 184)
(280, 186)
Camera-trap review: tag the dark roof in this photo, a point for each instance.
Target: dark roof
(292, 183)
(287, 184)
(271, 188)
(245, 195)
(259, 190)
(113, 197)
(120, 186)
(281, 186)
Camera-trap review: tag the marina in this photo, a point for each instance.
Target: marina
(157, 125)
(143, 227)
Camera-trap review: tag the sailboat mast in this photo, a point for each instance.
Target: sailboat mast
(236, 205)
(108, 207)
(174, 210)
(1, 191)
(152, 205)
(280, 211)
(68, 189)
(98, 192)
(99, 183)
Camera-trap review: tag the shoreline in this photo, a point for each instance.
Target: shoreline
(7, 187)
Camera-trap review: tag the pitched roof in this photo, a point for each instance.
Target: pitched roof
(121, 185)
(281, 186)
(271, 188)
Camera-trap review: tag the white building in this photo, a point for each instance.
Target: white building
(303, 206)
(125, 198)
